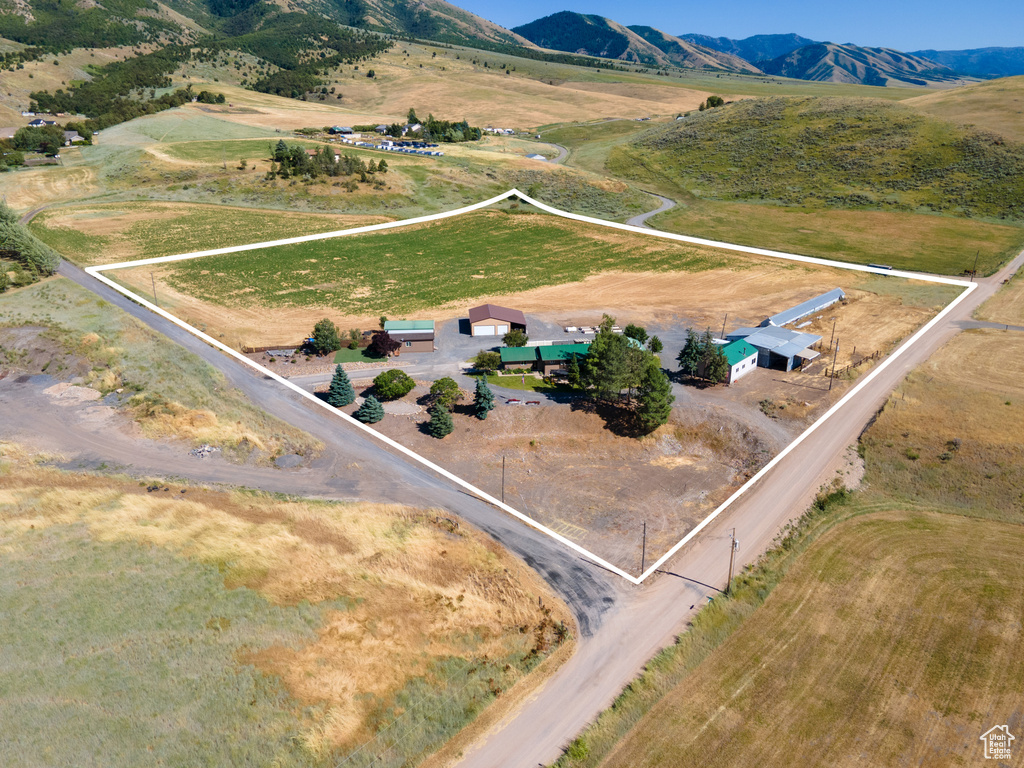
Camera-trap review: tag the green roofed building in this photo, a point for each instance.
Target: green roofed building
(554, 357)
(518, 357)
(546, 358)
(413, 335)
(742, 359)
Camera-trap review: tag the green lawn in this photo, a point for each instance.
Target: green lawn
(346, 355)
(529, 383)
(425, 267)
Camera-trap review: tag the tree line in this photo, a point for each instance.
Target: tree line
(32, 258)
(294, 160)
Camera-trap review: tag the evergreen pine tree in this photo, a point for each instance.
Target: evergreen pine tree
(654, 398)
(371, 411)
(690, 356)
(341, 392)
(441, 423)
(483, 402)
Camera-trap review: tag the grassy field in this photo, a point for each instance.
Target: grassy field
(860, 655)
(428, 266)
(831, 153)
(1007, 306)
(111, 232)
(925, 243)
(996, 105)
(850, 630)
(174, 393)
(208, 628)
(346, 355)
(949, 438)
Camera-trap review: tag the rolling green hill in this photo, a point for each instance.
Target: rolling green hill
(831, 153)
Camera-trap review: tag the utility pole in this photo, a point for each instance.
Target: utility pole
(975, 270)
(833, 333)
(153, 279)
(643, 551)
(734, 546)
(503, 479)
(723, 324)
(833, 377)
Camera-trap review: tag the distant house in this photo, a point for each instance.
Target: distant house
(411, 128)
(492, 320)
(413, 335)
(28, 114)
(518, 357)
(535, 156)
(40, 123)
(805, 309)
(340, 130)
(381, 129)
(778, 348)
(72, 137)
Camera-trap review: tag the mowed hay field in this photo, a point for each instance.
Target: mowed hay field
(111, 232)
(949, 437)
(911, 241)
(895, 639)
(189, 627)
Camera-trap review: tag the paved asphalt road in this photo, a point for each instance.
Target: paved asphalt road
(621, 626)
(641, 219)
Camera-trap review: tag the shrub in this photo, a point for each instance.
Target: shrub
(371, 411)
(382, 345)
(487, 361)
(393, 384)
(445, 392)
(440, 424)
(515, 338)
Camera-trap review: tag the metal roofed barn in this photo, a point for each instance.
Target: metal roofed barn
(492, 320)
(806, 308)
(778, 347)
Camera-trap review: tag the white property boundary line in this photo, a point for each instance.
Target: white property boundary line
(968, 286)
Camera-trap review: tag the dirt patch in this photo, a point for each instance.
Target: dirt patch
(565, 468)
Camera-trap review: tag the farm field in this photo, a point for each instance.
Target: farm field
(917, 242)
(113, 232)
(860, 644)
(949, 438)
(61, 330)
(201, 625)
(894, 565)
(1007, 306)
(505, 256)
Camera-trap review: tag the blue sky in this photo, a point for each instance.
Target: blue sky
(907, 25)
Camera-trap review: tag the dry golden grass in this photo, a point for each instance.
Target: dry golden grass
(42, 75)
(1007, 306)
(28, 189)
(861, 656)
(416, 590)
(950, 437)
(996, 105)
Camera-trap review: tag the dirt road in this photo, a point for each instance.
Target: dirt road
(656, 613)
(621, 626)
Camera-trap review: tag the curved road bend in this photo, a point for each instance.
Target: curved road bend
(382, 475)
(641, 219)
(656, 613)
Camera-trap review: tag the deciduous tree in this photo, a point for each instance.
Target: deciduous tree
(515, 338)
(393, 384)
(445, 392)
(326, 338)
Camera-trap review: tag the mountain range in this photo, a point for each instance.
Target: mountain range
(42, 26)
